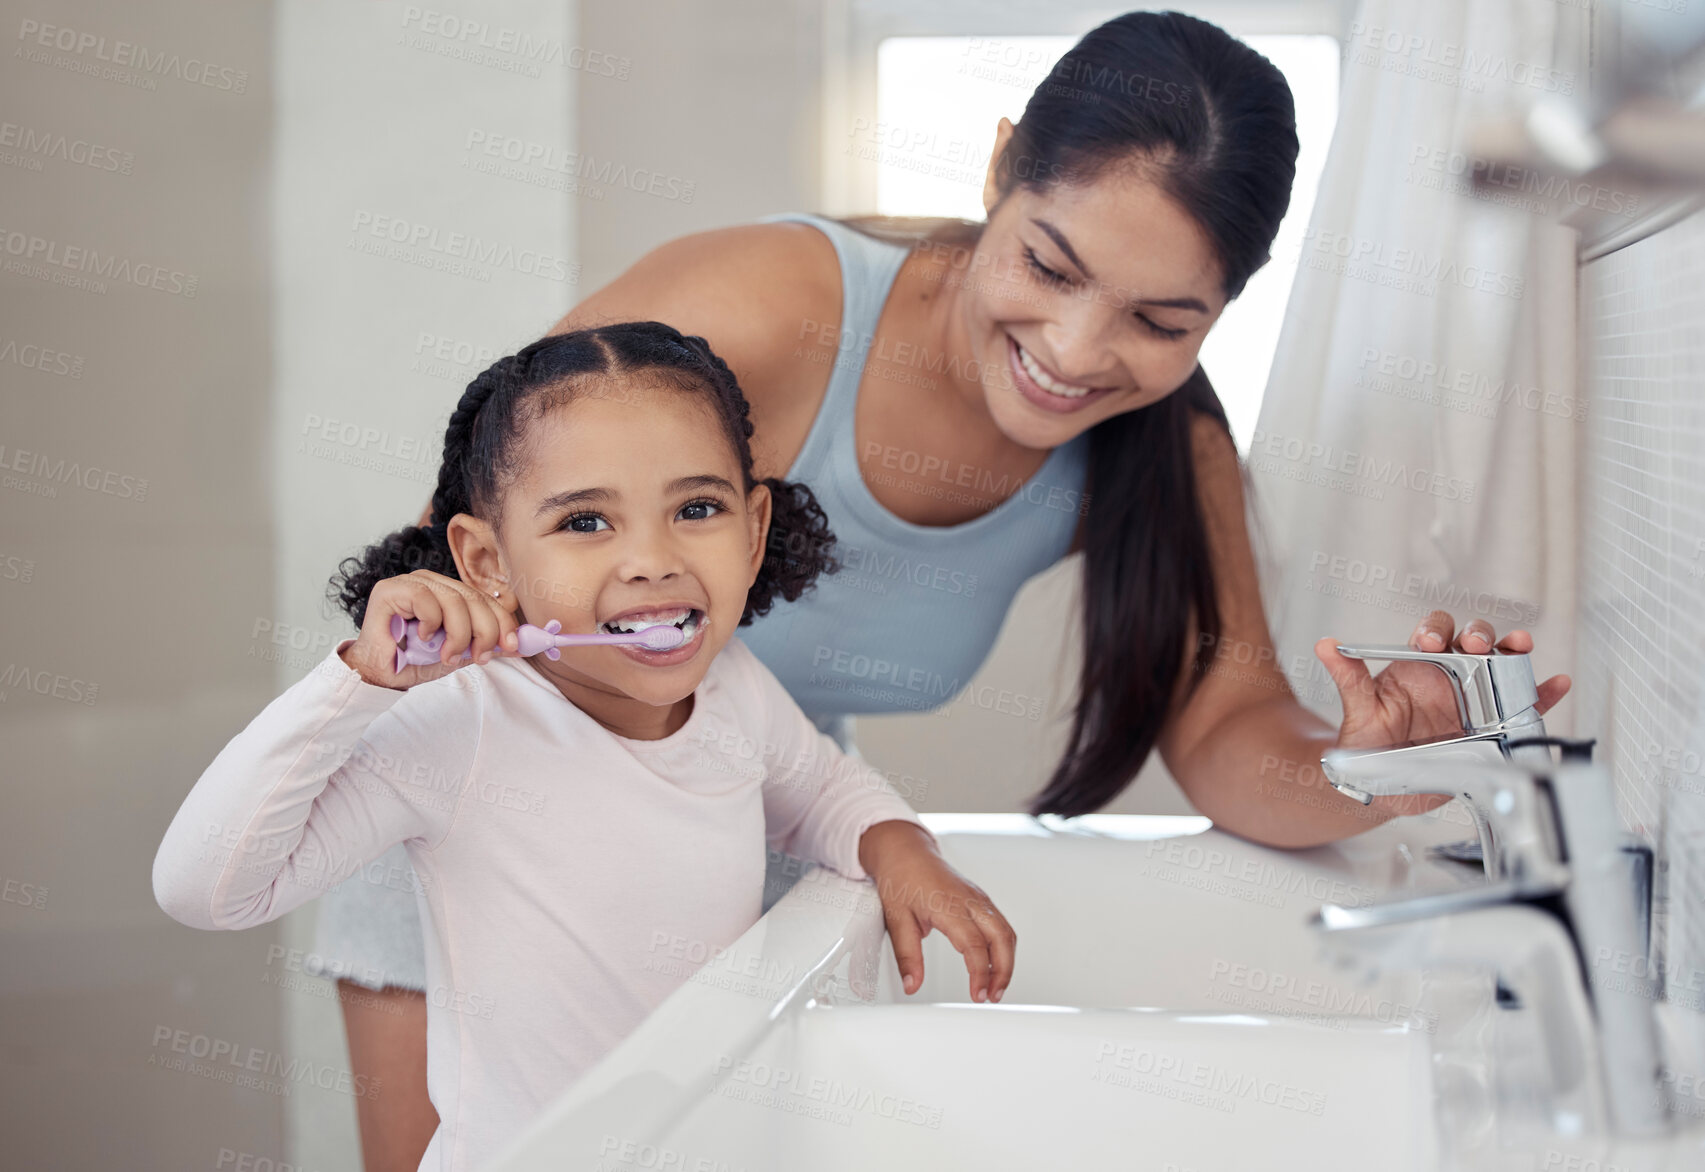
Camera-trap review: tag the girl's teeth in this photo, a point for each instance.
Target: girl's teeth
(1047, 381)
(686, 621)
(672, 619)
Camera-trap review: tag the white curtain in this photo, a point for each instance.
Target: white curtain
(1417, 440)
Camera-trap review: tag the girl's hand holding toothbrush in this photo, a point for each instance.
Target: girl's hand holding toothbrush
(471, 622)
(920, 892)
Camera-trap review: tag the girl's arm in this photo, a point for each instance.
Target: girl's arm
(818, 800)
(824, 804)
(325, 779)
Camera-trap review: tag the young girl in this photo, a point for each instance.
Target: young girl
(561, 814)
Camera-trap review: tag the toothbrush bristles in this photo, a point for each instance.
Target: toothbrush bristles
(663, 638)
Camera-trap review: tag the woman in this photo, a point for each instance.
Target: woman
(1041, 366)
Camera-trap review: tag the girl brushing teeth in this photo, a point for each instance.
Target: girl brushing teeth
(561, 813)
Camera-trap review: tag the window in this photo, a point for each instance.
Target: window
(938, 99)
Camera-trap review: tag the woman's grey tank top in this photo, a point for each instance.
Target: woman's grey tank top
(912, 614)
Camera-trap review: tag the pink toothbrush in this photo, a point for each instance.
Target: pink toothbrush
(412, 649)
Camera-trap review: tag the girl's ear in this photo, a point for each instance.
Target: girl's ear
(758, 505)
(479, 561)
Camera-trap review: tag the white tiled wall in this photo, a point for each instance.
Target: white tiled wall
(1642, 634)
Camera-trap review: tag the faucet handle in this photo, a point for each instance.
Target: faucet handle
(1490, 689)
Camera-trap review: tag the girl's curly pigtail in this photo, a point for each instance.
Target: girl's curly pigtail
(425, 547)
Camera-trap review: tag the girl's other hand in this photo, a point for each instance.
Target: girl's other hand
(920, 892)
(469, 619)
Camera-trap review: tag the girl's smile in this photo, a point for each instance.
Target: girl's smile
(685, 617)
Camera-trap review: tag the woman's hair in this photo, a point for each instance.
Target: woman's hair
(1211, 122)
(485, 446)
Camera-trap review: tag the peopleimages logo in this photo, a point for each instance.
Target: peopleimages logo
(555, 160)
(1413, 270)
(38, 144)
(1432, 59)
(86, 267)
(476, 41)
(1374, 470)
(1430, 593)
(430, 240)
(1443, 385)
(42, 358)
(49, 472)
(1211, 1085)
(127, 55)
(233, 1062)
(1501, 174)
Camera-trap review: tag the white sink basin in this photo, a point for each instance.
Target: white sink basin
(1162, 913)
(1171, 1008)
(848, 1089)
(1172, 1011)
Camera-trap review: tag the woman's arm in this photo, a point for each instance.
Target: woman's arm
(761, 295)
(1245, 752)
(329, 775)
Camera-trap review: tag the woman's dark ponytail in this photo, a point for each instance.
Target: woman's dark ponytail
(1214, 124)
(1148, 588)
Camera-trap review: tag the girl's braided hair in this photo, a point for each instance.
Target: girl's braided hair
(484, 449)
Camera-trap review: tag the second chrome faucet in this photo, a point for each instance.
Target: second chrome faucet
(1550, 838)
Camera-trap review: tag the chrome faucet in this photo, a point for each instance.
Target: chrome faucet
(1564, 857)
(1497, 703)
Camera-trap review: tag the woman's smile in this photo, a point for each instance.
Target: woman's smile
(1040, 387)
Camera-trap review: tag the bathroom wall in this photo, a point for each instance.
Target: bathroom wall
(236, 312)
(723, 110)
(1642, 634)
(422, 224)
(136, 551)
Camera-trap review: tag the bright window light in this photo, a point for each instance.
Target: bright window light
(939, 98)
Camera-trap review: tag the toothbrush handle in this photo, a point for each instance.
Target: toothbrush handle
(413, 650)
(418, 652)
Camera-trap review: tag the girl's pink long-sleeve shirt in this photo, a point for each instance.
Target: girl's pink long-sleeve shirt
(570, 879)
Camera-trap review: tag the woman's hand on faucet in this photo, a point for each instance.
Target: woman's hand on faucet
(1408, 700)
